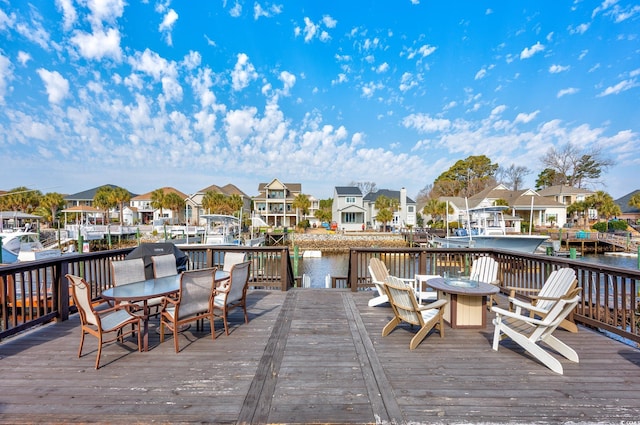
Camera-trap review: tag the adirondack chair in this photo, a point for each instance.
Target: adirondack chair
(559, 284)
(379, 274)
(406, 309)
(485, 269)
(529, 332)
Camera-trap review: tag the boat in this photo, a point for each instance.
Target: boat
(20, 245)
(484, 227)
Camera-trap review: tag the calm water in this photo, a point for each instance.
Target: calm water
(338, 265)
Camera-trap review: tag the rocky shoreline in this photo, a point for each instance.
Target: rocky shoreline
(342, 242)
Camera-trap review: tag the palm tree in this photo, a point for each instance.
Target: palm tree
(22, 199)
(103, 199)
(157, 200)
(302, 204)
(173, 202)
(214, 202)
(120, 196)
(604, 203)
(52, 202)
(235, 203)
(390, 205)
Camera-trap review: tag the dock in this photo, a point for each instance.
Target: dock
(313, 356)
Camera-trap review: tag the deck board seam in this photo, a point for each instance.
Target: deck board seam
(257, 403)
(380, 392)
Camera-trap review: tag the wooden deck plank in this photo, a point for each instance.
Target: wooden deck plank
(313, 356)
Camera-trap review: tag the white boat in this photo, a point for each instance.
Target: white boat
(19, 245)
(485, 227)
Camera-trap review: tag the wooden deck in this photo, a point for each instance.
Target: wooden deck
(313, 356)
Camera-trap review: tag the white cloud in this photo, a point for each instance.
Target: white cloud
(153, 64)
(259, 11)
(567, 91)
(243, 73)
(288, 81)
(407, 82)
(382, 68)
(310, 29)
(23, 57)
(555, 69)
(56, 85)
(580, 29)
(527, 52)
(166, 26)
(526, 118)
(480, 74)
(619, 88)
(236, 10)
(98, 45)
(6, 74)
(69, 14)
(329, 22)
(423, 123)
(104, 11)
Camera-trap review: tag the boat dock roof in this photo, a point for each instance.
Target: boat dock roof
(313, 356)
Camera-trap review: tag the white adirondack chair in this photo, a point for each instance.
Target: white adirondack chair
(485, 269)
(529, 332)
(559, 284)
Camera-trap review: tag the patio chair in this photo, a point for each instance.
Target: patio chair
(233, 293)
(164, 265)
(232, 258)
(98, 322)
(559, 284)
(379, 274)
(193, 303)
(128, 271)
(406, 309)
(529, 332)
(485, 269)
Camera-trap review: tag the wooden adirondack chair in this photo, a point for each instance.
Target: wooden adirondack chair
(406, 309)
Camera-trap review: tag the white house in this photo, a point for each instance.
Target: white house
(348, 209)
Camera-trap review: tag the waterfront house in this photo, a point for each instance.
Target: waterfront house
(403, 217)
(194, 209)
(629, 213)
(524, 206)
(274, 203)
(142, 211)
(568, 195)
(348, 208)
(85, 198)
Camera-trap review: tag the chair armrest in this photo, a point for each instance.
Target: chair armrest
(526, 305)
(502, 312)
(436, 304)
(114, 308)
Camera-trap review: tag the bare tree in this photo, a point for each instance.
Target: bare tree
(513, 177)
(575, 167)
(365, 187)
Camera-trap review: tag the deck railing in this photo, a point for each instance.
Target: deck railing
(37, 292)
(610, 297)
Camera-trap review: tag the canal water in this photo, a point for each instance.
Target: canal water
(318, 269)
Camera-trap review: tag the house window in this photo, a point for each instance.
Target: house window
(351, 200)
(410, 208)
(349, 218)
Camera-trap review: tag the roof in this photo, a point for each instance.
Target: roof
(348, 190)
(228, 189)
(563, 189)
(89, 194)
(623, 203)
(166, 190)
(391, 194)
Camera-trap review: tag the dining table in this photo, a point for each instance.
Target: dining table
(145, 290)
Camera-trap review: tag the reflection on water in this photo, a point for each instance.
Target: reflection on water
(611, 260)
(318, 268)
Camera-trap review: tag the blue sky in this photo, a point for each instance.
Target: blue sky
(145, 94)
